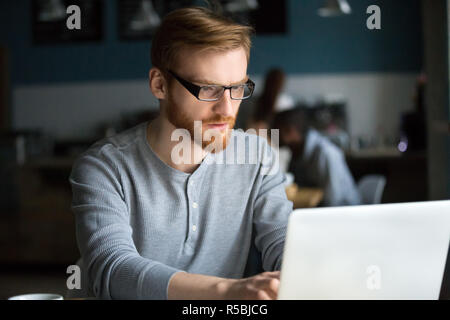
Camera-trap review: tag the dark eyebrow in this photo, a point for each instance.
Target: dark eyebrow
(208, 82)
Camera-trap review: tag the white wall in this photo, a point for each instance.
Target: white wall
(374, 100)
(75, 110)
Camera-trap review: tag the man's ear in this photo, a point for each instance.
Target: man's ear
(158, 83)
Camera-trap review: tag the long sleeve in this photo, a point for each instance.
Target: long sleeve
(272, 210)
(336, 180)
(114, 267)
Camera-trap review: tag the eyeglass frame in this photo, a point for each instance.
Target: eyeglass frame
(195, 89)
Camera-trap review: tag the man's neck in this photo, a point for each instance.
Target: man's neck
(159, 133)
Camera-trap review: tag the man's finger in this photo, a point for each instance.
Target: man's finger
(270, 286)
(263, 295)
(272, 274)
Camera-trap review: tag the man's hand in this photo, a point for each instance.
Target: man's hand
(187, 286)
(263, 286)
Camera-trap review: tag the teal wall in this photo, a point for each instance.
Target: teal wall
(312, 45)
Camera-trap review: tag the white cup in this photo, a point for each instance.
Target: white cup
(37, 296)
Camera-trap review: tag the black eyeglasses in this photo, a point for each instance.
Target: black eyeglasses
(215, 92)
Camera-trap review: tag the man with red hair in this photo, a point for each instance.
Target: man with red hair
(150, 226)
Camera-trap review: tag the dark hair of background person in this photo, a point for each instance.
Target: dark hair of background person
(265, 107)
(296, 118)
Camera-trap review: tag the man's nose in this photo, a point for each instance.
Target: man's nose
(224, 106)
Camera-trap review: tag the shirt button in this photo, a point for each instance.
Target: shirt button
(195, 205)
(191, 183)
(194, 228)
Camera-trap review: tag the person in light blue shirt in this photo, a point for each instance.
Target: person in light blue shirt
(316, 161)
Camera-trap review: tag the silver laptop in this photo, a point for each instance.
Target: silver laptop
(387, 251)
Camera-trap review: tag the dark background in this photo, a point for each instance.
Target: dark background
(59, 94)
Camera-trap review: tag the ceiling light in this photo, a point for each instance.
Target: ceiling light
(332, 8)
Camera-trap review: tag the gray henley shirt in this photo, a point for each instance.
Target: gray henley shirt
(139, 221)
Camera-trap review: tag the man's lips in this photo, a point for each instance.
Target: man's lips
(219, 126)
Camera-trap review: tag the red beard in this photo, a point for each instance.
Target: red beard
(181, 120)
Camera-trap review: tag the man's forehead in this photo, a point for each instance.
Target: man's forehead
(208, 67)
(207, 81)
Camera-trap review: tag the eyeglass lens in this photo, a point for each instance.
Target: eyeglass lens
(216, 92)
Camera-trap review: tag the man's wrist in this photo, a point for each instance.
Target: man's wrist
(223, 288)
(184, 285)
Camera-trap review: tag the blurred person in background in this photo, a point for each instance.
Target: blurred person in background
(316, 162)
(271, 101)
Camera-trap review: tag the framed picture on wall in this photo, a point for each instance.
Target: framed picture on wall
(266, 16)
(50, 21)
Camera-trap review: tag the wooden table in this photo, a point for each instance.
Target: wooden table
(304, 197)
